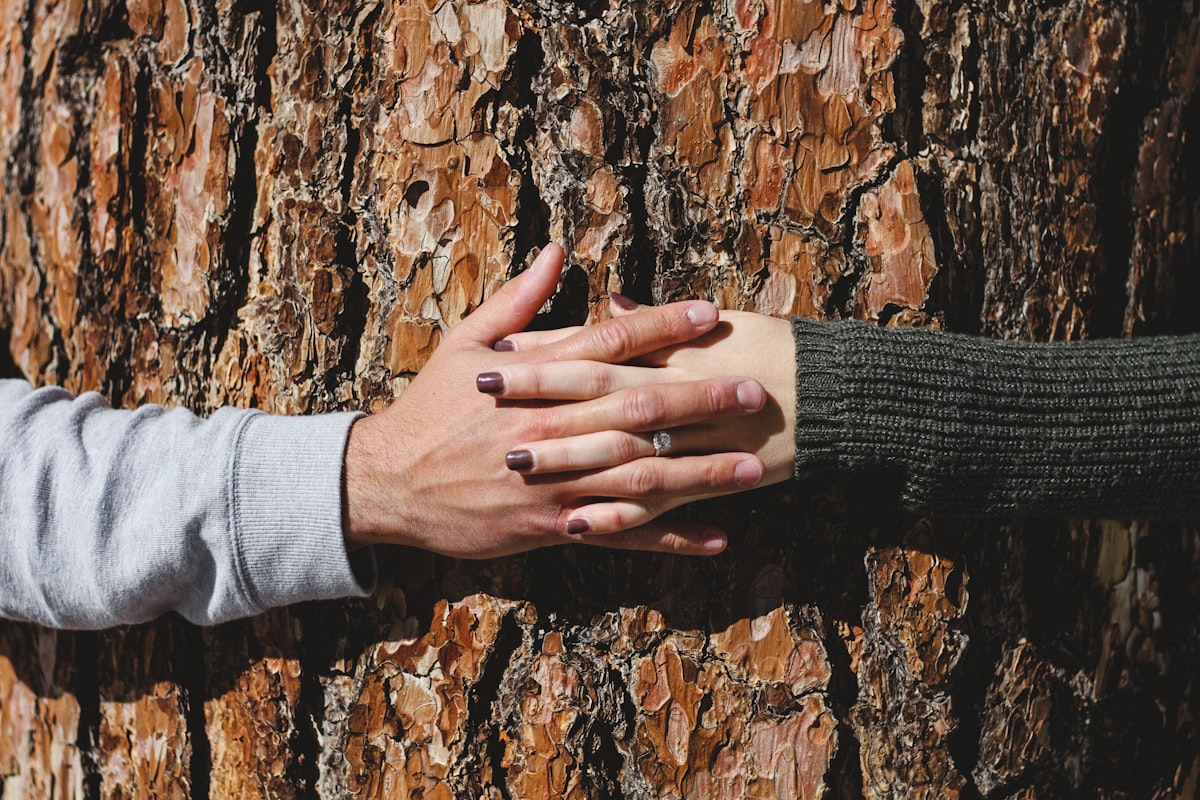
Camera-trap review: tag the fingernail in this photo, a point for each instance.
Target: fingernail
(748, 473)
(519, 460)
(702, 314)
(505, 346)
(493, 383)
(713, 543)
(624, 303)
(578, 526)
(749, 395)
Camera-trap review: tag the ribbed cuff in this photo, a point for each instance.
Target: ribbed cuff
(287, 512)
(820, 396)
(971, 426)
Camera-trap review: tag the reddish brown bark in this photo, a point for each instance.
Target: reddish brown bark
(286, 206)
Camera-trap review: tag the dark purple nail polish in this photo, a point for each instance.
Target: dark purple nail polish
(578, 526)
(505, 346)
(624, 303)
(490, 383)
(519, 460)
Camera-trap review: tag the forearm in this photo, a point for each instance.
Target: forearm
(115, 517)
(981, 427)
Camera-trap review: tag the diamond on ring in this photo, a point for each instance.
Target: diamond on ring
(661, 442)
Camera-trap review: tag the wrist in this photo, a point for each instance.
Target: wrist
(766, 350)
(353, 502)
(368, 501)
(779, 377)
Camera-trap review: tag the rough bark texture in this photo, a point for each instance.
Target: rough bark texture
(285, 205)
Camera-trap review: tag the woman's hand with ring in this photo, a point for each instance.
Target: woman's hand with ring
(742, 343)
(644, 400)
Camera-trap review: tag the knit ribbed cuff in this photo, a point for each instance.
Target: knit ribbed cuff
(819, 397)
(287, 511)
(971, 426)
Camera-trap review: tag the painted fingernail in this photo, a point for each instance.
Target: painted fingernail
(750, 395)
(505, 346)
(519, 460)
(578, 526)
(493, 383)
(748, 473)
(622, 302)
(714, 543)
(702, 313)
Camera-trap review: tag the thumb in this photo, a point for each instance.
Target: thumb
(518, 301)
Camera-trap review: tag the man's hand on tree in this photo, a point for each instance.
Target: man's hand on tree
(436, 469)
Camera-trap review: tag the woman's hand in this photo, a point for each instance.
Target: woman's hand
(430, 471)
(742, 343)
(757, 346)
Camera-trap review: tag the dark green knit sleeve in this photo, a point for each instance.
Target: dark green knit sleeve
(968, 425)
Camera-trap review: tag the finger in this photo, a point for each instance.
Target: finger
(654, 407)
(590, 451)
(517, 302)
(614, 516)
(529, 340)
(564, 380)
(659, 479)
(618, 340)
(680, 538)
(618, 305)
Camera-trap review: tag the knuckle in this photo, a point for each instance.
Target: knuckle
(552, 522)
(674, 543)
(531, 381)
(716, 475)
(600, 380)
(716, 397)
(617, 520)
(628, 448)
(669, 321)
(706, 473)
(643, 407)
(644, 479)
(614, 339)
(543, 423)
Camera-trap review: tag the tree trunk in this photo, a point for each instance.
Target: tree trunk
(286, 205)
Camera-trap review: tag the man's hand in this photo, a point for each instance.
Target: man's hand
(430, 471)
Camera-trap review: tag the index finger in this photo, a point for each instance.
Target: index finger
(618, 340)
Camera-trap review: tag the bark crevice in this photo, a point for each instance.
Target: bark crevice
(87, 692)
(194, 681)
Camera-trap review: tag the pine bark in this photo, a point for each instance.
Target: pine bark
(286, 205)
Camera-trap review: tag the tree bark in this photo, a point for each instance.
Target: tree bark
(286, 205)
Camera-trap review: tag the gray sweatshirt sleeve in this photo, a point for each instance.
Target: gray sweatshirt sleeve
(110, 517)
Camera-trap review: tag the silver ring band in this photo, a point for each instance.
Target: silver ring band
(662, 443)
